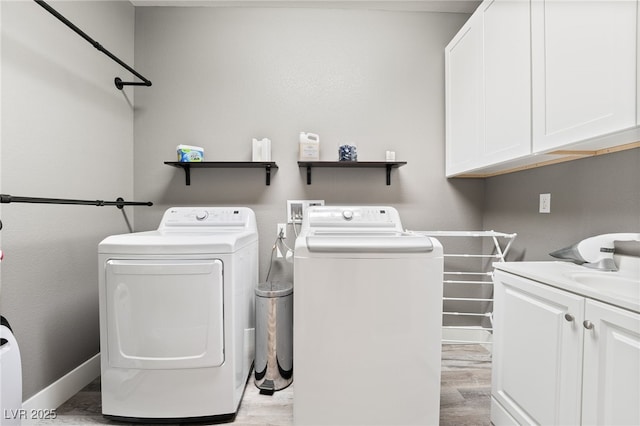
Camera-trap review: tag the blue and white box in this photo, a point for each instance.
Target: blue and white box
(190, 154)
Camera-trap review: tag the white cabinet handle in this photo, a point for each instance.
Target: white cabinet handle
(587, 324)
(569, 317)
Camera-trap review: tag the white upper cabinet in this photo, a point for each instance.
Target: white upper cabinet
(535, 82)
(584, 69)
(488, 86)
(507, 80)
(463, 91)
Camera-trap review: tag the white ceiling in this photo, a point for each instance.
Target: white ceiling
(453, 6)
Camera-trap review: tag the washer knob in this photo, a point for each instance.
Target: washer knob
(347, 214)
(202, 215)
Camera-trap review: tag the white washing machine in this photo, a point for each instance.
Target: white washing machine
(367, 320)
(177, 326)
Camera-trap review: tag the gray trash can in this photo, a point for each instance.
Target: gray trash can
(274, 336)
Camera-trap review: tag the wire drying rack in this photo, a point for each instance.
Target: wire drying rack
(475, 324)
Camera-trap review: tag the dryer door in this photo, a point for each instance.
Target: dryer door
(164, 314)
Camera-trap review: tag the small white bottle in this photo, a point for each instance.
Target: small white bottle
(261, 149)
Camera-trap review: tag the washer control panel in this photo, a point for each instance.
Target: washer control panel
(352, 216)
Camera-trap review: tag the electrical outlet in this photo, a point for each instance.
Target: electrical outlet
(545, 203)
(281, 231)
(296, 209)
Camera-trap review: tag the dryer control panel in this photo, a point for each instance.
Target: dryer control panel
(198, 217)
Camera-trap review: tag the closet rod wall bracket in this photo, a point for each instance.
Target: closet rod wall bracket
(118, 82)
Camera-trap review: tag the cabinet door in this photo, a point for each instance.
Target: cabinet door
(507, 80)
(488, 87)
(583, 69)
(537, 359)
(463, 92)
(611, 366)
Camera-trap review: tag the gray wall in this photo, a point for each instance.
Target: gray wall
(222, 76)
(67, 132)
(591, 196)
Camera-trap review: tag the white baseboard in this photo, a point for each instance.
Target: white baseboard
(58, 392)
(462, 336)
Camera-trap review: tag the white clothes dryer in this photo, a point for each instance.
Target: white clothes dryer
(367, 320)
(177, 322)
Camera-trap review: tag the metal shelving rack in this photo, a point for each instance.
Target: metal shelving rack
(469, 334)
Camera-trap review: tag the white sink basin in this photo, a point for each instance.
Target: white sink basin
(620, 288)
(605, 283)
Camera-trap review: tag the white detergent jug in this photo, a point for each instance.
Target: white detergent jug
(309, 147)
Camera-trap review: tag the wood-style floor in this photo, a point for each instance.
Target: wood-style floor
(464, 398)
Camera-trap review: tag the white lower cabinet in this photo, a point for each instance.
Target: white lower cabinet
(611, 378)
(537, 359)
(562, 359)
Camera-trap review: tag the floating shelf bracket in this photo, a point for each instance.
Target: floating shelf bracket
(388, 166)
(118, 81)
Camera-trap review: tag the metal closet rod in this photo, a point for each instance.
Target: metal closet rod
(120, 203)
(119, 83)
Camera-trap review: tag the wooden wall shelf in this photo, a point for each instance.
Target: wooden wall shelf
(388, 165)
(187, 166)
